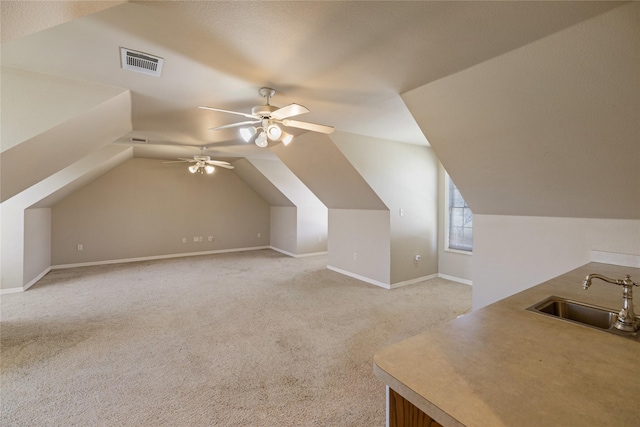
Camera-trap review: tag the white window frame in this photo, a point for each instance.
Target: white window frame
(446, 220)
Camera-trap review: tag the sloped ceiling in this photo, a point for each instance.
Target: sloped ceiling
(20, 18)
(37, 158)
(346, 61)
(288, 183)
(260, 184)
(550, 129)
(320, 165)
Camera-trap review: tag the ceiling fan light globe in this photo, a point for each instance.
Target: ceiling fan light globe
(286, 138)
(261, 140)
(193, 168)
(274, 132)
(209, 169)
(247, 133)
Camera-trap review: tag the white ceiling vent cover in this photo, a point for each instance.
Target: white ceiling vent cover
(140, 62)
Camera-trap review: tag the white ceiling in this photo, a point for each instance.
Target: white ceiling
(348, 62)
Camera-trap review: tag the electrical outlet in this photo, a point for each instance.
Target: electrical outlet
(401, 212)
(417, 258)
(195, 239)
(259, 235)
(210, 238)
(320, 239)
(355, 255)
(80, 247)
(184, 240)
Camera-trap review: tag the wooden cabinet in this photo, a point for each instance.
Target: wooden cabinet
(403, 413)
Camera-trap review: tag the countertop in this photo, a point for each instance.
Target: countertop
(505, 366)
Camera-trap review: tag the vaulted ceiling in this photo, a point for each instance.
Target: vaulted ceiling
(348, 62)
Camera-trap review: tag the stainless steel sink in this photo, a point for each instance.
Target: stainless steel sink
(581, 313)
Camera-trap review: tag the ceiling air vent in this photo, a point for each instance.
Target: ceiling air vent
(140, 62)
(138, 140)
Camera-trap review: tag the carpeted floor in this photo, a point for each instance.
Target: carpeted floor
(240, 339)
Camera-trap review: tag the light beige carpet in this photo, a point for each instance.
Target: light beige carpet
(241, 339)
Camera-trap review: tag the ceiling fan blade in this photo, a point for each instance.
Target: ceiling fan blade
(179, 161)
(308, 126)
(289, 111)
(233, 125)
(225, 166)
(218, 162)
(251, 116)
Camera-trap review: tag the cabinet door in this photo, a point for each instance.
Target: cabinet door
(403, 413)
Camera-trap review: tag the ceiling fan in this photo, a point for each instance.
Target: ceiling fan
(265, 121)
(203, 163)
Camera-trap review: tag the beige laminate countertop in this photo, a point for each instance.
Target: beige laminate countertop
(505, 366)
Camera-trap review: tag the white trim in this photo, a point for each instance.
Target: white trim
(282, 251)
(359, 277)
(456, 251)
(624, 260)
(27, 286)
(155, 257)
(412, 281)
(381, 284)
(456, 279)
(38, 277)
(11, 290)
(311, 254)
(446, 214)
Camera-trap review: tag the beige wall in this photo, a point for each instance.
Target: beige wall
(405, 177)
(312, 224)
(512, 253)
(538, 139)
(16, 259)
(308, 220)
(37, 242)
(283, 229)
(359, 244)
(145, 207)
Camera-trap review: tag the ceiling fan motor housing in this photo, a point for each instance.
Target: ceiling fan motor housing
(263, 110)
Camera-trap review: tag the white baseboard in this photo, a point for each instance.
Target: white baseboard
(359, 277)
(27, 286)
(381, 284)
(311, 254)
(11, 290)
(35, 280)
(623, 260)
(455, 279)
(155, 257)
(412, 281)
(282, 251)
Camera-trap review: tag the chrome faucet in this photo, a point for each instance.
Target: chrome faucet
(627, 319)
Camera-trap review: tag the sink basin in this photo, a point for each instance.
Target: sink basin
(577, 312)
(581, 313)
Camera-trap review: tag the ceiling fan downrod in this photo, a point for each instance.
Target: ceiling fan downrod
(267, 92)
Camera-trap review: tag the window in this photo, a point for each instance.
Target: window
(460, 219)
